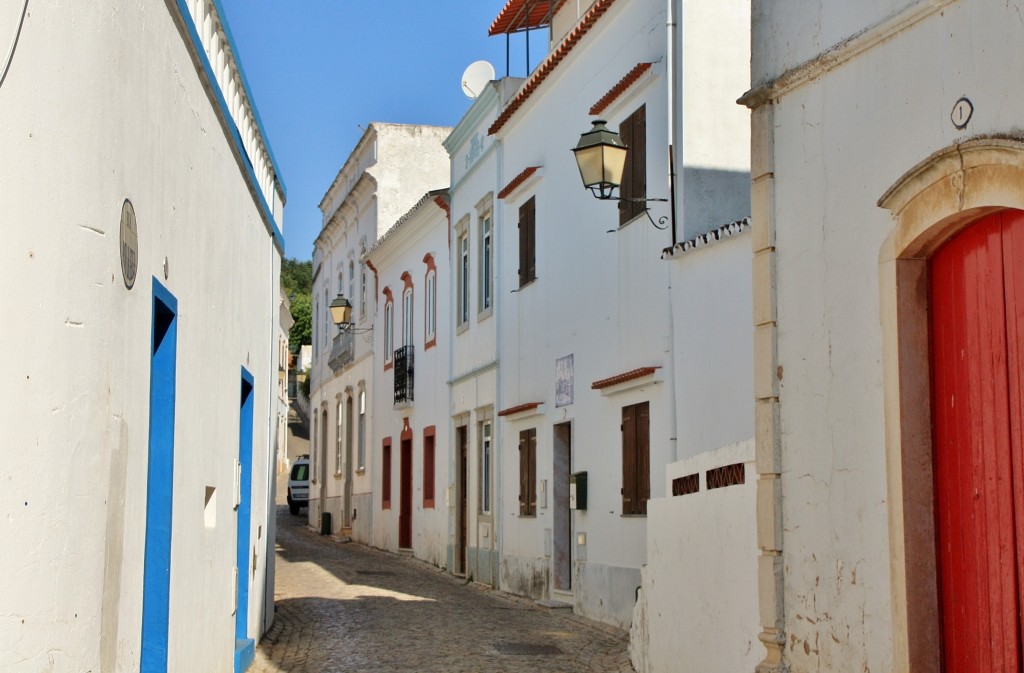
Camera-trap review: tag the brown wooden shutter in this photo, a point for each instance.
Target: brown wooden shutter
(532, 440)
(643, 455)
(528, 472)
(629, 495)
(527, 242)
(428, 470)
(633, 131)
(636, 458)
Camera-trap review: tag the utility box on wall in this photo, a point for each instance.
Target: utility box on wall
(578, 490)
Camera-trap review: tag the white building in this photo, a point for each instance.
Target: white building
(391, 167)
(141, 277)
(410, 396)
(585, 316)
(887, 163)
(474, 290)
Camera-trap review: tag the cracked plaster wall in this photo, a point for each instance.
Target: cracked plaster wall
(839, 143)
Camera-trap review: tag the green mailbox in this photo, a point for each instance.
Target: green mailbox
(578, 490)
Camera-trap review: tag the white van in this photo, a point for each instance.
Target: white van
(298, 485)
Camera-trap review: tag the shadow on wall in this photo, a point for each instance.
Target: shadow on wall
(711, 198)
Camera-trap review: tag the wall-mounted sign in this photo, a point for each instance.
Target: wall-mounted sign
(129, 244)
(563, 381)
(961, 114)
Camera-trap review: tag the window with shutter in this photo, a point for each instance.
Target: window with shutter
(636, 462)
(527, 242)
(528, 472)
(634, 176)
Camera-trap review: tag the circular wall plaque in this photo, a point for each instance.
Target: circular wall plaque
(961, 114)
(129, 244)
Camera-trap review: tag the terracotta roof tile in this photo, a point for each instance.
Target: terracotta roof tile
(622, 378)
(519, 408)
(551, 62)
(620, 88)
(516, 181)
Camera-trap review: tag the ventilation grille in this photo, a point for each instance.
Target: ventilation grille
(686, 485)
(727, 475)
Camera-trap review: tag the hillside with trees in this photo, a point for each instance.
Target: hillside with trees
(297, 283)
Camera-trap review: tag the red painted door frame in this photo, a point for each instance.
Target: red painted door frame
(977, 325)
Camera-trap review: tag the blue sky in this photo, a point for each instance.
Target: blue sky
(320, 69)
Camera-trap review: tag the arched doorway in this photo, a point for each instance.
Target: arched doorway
(976, 288)
(958, 209)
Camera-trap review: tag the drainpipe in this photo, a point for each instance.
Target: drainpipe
(675, 140)
(270, 533)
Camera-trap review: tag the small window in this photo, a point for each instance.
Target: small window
(528, 472)
(486, 263)
(431, 306)
(407, 317)
(527, 242)
(351, 281)
(340, 441)
(362, 430)
(389, 319)
(300, 472)
(485, 467)
(633, 190)
(463, 298)
(362, 290)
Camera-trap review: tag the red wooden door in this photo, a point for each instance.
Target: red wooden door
(977, 325)
(405, 493)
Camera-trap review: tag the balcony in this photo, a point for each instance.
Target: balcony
(403, 375)
(343, 351)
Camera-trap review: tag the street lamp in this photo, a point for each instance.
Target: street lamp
(341, 315)
(601, 158)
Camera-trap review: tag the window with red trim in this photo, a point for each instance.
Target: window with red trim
(428, 466)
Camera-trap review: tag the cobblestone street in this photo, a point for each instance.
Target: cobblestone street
(344, 607)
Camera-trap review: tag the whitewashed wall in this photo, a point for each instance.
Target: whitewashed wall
(422, 231)
(602, 297)
(142, 127)
(473, 371)
(835, 143)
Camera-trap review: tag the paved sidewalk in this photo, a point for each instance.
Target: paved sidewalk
(344, 607)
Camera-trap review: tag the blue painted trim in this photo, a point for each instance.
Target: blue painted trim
(156, 582)
(245, 653)
(225, 111)
(244, 516)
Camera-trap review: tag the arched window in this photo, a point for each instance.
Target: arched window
(407, 317)
(389, 324)
(351, 281)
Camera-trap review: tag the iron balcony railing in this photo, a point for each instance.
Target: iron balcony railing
(343, 351)
(403, 375)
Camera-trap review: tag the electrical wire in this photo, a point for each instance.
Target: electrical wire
(14, 44)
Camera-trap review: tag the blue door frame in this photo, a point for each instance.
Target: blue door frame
(156, 582)
(245, 647)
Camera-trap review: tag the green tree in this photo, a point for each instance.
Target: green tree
(296, 277)
(302, 312)
(297, 285)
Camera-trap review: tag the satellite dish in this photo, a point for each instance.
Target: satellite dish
(476, 77)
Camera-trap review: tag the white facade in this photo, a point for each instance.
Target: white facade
(474, 289)
(600, 293)
(392, 166)
(864, 163)
(410, 401)
(108, 378)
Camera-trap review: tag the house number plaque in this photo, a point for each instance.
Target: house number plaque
(129, 244)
